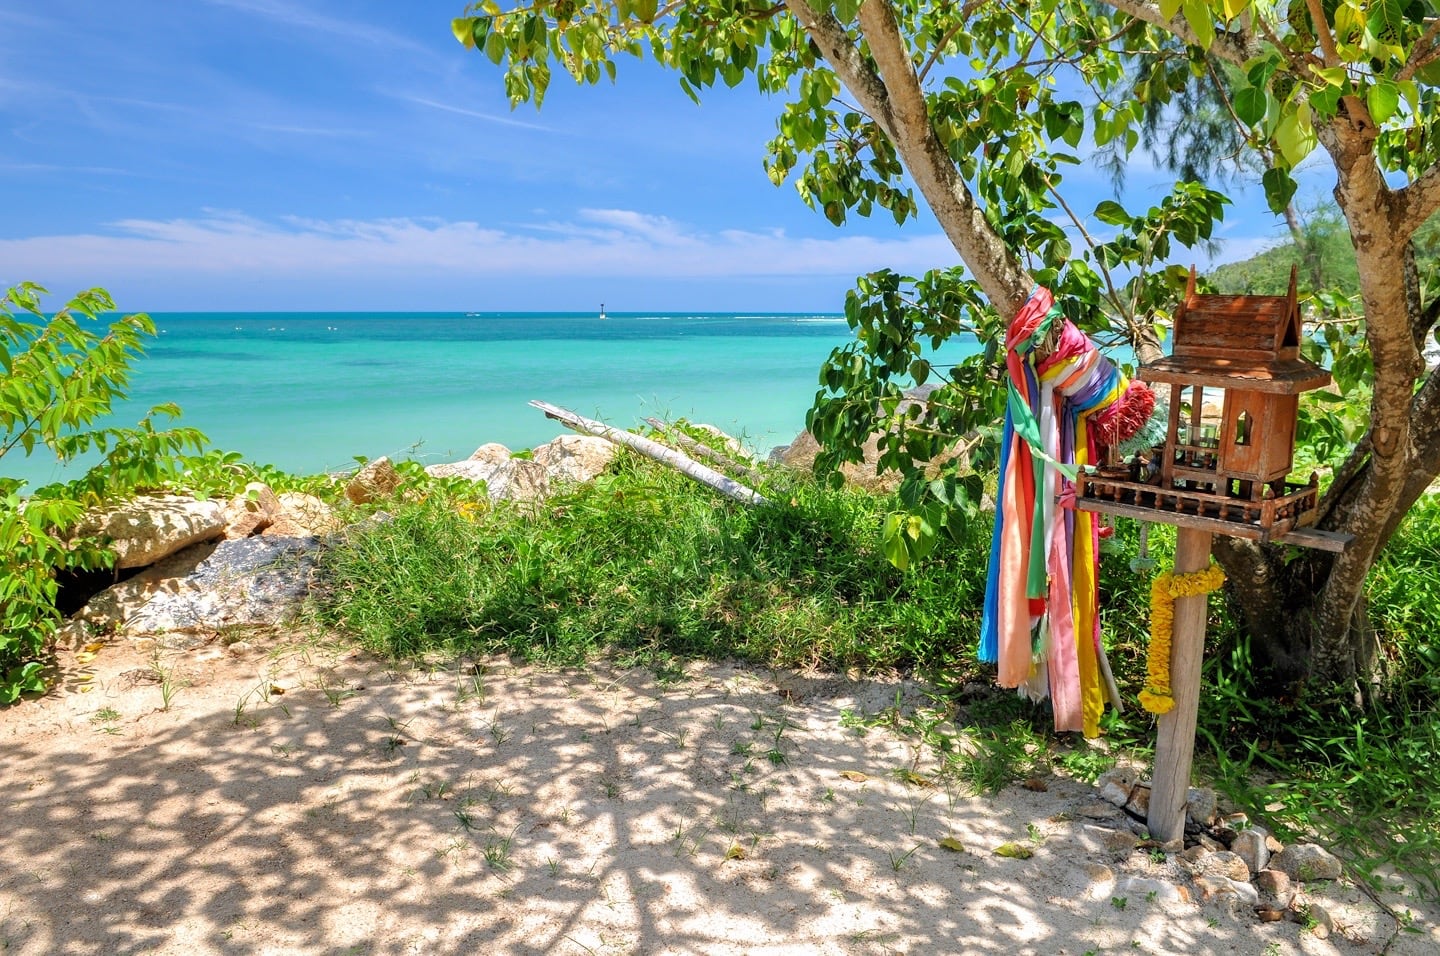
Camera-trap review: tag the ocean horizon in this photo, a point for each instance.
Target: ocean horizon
(308, 392)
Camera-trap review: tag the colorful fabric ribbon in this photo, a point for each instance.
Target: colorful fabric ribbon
(1041, 620)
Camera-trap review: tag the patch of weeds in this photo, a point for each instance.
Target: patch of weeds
(1119, 902)
(497, 851)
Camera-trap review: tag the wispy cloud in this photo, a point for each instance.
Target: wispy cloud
(631, 244)
(474, 114)
(297, 15)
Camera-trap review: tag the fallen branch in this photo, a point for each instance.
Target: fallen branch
(701, 449)
(688, 467)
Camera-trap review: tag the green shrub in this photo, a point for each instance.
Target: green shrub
(59, 378)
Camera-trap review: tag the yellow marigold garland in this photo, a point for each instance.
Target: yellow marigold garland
(1166, 587)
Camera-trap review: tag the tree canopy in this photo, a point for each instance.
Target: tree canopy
(978, 109)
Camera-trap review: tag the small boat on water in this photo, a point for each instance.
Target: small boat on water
(602, 310)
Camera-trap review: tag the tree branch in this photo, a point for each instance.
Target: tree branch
(1425, 50)
(1418, 201)
(1235, 46)
(889, 91)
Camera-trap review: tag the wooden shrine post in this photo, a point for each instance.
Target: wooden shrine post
(1175, 737)
(1222, 469)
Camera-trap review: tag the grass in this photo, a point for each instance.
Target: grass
(643, 564)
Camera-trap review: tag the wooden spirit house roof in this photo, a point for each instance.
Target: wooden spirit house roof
(1249, 342)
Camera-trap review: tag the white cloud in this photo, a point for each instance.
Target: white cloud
(297, 15)
(474, 114)
(603, 242)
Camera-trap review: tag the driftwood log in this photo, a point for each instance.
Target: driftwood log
(687, 466)
(701, 450)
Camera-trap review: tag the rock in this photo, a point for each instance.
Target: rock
(251, 511)
(491, 452)
(1273, 845)
(108, 611)
(1117, 844)
(1102, 881)
(575, 457)
(301, 516)
(1249, 845)
(1201, 806)
(518, 480)
(1141, 887)
(1306, 862)
(1139, 802)
(1115, 785)
(1194, 854)
(149, 528)
(239, 648)
(1097, 811)
(1275, 889)
(514, 479)
(474, 469)
(1213, 887)
(1209, 843)
(376, 481)
(801, 453)
(1322, 924)
(1268, 914)
(1224, 864)
(251, 582)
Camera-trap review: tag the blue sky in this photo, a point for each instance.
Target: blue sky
(313, 154)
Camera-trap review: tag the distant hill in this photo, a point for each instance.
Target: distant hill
(1268, 273)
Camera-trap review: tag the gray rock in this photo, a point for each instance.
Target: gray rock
(108, 611)
(574, 457)
(1201, 806)
(514, 479)
(1249, 845)
(1306, 862)
(376, 481)
(251, 582)
(149, 528)
(1097, 811)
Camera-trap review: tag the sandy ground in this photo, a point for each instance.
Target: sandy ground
(308, 800)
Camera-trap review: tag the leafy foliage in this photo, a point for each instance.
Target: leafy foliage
(60, 377)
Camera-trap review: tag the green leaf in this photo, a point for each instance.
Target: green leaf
(1168, 8)
(1112, 213)
(1383, 99)
(1250, 105)
(1197, 14)
(1279, 189)
(1294, 135)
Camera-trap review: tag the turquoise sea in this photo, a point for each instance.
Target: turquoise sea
(310, 391)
